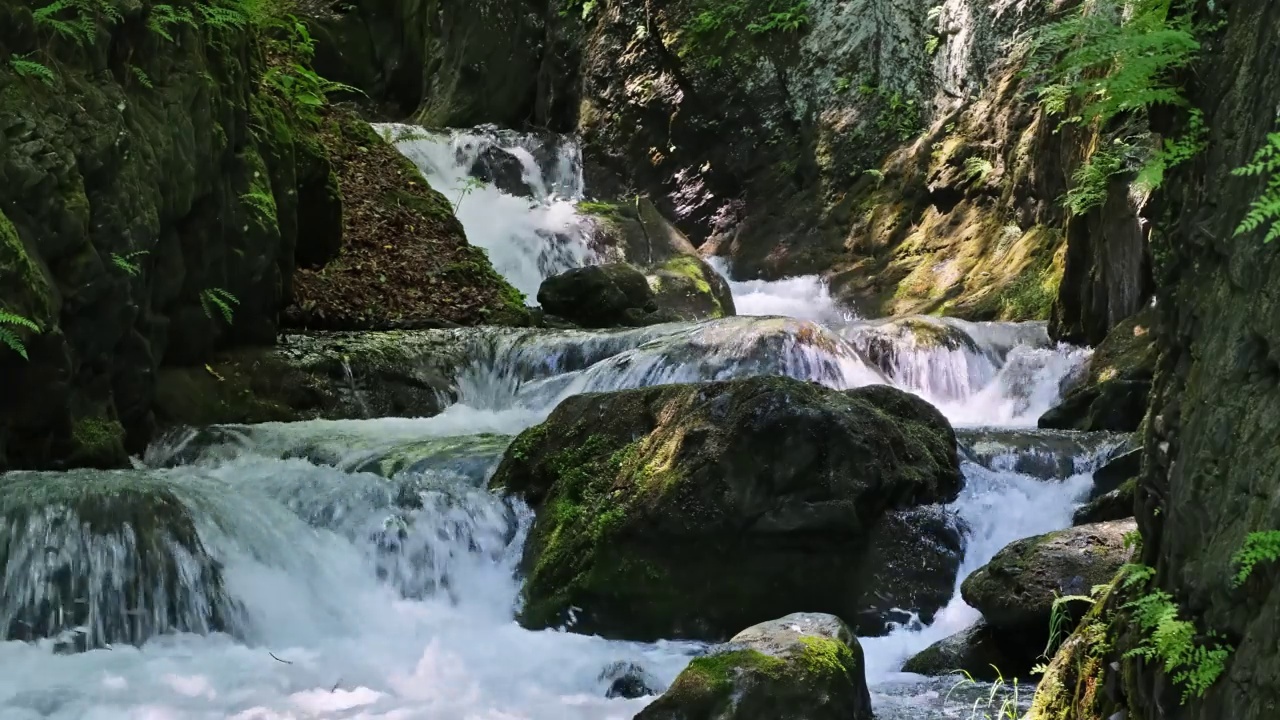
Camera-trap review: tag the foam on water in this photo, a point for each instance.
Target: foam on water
(806, 297)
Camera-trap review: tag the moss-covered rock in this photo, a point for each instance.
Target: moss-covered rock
(600, 296)
(800, 667)
(1114, 395)
(688, 287)
(114, 554)
(1016, 591)
(1114, 505)
(689, 510)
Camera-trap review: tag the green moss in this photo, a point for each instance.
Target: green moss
(717, 671)
(97, 442)
(825, 656)
(607, 210)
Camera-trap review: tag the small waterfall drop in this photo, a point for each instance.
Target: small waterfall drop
(516, 195)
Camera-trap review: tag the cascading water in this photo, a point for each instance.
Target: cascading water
(515, 194)
(359, 568)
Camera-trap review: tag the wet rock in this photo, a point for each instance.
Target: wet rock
(502, 170)
(629, 680)
(1115, 392)
(689, 510)
(803, 665)
(1115, 505)
(600, 296)
(689, 288)
(1115, 473)
(93, 558)
(1016, 590)
(979, 650)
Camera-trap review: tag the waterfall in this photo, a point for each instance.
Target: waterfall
(516, 195)
(358, 569)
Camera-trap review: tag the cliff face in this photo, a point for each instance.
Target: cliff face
(158, 187)
(1211, 470)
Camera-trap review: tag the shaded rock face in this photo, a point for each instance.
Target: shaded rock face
(1114, 395)
(1016, 590)
(980, 650)
(629, 681)
(621, 295)
(1045, 454)
(802, 666)
(454, 63)
(150, 224)
(1114, 505)
(688, 510)
(1211, 464)
(125, 562)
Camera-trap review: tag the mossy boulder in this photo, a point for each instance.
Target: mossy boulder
(1016, 591)
(601, 296)
(979, 651)
(115, 554)
(800, 667)
(1115, 393)
(692, 510)
(689, 288)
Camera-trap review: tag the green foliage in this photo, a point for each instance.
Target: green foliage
(931, 44)
(1060, 618)
(467, 187)
(586, 7)
(165, 18)
(1002, 701)
(1193, 662)
(1116, 56)
(141, 75)
(217, 299)
(9, 338)
(899, 116)
(262, 202)
(722, 28)
(1266, 208)
(1258, 547)
(127, 264)
(32, 69)
(1089, 183)
(977, 169)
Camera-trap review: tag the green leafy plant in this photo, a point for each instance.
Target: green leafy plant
(1266, 208)
(164, 19)
(931, 44)
(29, 68)
(1194, 662)
(141, 75)
(977, 169)
(1089, 183)
(220, 301)
(467, 187)
(720, 27)
(127, 264)
(1259, 547)
(1002, 700)
(262, 201)
(9, 338)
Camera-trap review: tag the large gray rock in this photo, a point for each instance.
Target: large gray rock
(1114, 395)
(692, 510)
(800, 667)
(979, 651)
(1016, 591)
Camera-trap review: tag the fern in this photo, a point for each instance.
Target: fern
(1258, 547)
(1090, 182)
(32, 69)
(977, 169)
(9, 338)
(165, 18)
(217, 299)
(1266, 208)
(1172, 641)
(142, 77)
(126, 262)
(77, 20)
(262, 201)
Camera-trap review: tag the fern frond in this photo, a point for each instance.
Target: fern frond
(9, 338)
(220, 300)
(1266, 207)
(32, 69)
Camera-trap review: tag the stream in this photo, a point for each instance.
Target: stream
(343, 603)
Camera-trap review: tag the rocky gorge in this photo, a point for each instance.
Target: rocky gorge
(615, 358)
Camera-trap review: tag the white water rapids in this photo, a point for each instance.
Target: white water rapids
(334, 623)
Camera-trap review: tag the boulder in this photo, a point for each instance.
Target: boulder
(980, 651)
(629, 681)
(1114, 395)
(1120, 470)
(600, 296)
(1115, 505)
(503, 170)
(93, 558)
(1016, 591)
(803, 666)
(689, 510)
(622, 295)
